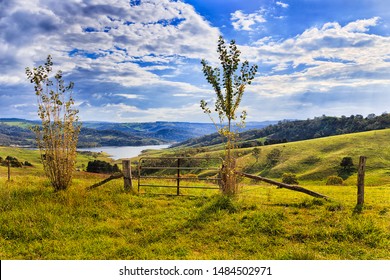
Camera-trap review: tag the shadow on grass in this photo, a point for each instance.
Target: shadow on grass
(313, 203)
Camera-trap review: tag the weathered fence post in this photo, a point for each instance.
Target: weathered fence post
(360, 180)
(178, 177)
(128, 184)
(9, 170)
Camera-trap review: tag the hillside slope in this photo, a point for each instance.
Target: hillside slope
(289, 131)
(312, 160)
(317, 159)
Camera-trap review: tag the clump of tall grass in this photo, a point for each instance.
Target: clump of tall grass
(270, 223)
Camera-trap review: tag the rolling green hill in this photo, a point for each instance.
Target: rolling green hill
(312, 160)
(317, 159)
(296, 130)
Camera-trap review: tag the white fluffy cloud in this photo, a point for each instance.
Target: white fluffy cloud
(242, 21)
(281, 4)
(330, 69)
(105, 47)
(323, 58)
(139, 60)
(112, 30)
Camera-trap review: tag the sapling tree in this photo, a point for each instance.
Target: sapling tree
(57, 136)
(229, 82)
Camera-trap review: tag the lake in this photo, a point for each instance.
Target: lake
(125, 151)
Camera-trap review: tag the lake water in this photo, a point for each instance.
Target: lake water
(125, 151)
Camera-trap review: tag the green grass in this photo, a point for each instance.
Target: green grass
(261, 223)
(21, 124)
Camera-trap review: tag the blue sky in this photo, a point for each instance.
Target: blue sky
(136, 61)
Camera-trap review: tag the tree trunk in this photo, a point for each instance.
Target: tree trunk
(112, 177)
(283, 185)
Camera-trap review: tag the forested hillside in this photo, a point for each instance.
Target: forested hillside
(94, 134)
(20, 136)
(288, 131)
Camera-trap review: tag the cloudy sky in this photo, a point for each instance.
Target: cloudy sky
(139, 60)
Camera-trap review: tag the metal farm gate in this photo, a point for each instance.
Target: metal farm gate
(180, 173)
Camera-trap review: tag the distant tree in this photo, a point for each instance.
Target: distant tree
(58, 135)
(256, 153)
(229, 84)
(346, 168)
(13, 162)
(346, 163)
(99, 166)
(273, 157)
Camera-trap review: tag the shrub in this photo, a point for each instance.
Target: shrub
(256, 153)
(289, 178)
(98, 166)
(273, 157)
(334, 181)
(57, 136)
(13, 162)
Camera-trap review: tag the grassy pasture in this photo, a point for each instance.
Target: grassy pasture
(262, 222)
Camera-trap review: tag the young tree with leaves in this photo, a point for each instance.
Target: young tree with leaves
(57, 137)
(229, 84)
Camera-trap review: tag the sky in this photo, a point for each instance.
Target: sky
(139, 60)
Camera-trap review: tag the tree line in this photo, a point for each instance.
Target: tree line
(296, 130)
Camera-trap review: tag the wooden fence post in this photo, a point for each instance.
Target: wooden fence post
(360, 180)
(9, 170)
(128, 183)
(178, 177)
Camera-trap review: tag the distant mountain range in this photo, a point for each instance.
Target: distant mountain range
(94, 134)
(186, 134)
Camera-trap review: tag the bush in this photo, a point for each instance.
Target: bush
(289, 178)
(13, 162)
(273, 157)
(98, 166)
(334, 181)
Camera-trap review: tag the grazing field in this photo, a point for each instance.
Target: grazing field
(262, 222)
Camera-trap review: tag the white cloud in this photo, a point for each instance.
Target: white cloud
(242, 21)
(154, 31)
(183, 95)
(361, 25)
(281, 4)
(106, 46)
(321, 59)
(130, 96)
(127, 113)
